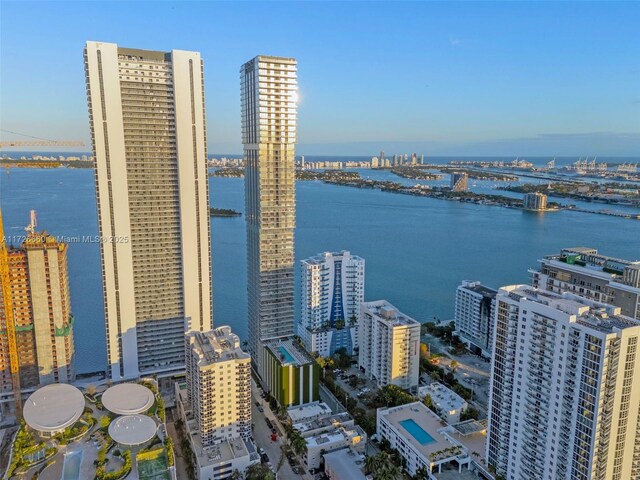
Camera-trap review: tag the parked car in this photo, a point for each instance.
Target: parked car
(261, 451)
(260, 409)
(268, 422)
(257, 403)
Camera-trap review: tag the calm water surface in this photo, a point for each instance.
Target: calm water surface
(417, 249)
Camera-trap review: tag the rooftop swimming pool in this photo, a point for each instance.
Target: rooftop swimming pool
(71, 466)
(288, 358)
(417, 432)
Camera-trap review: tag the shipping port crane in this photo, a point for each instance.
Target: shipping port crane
(38, 141)
(9, 320)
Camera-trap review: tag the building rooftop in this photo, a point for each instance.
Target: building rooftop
(216, 345)
(324, 422)
(128, 399)
(470, 434)
(132, 429)
(288, 351)
(324, 256)
(478, 288)
(420, 427)
(345, 464)
(599, 316)
(355, 434)
(390, 314)
(300, 413)
(53, 408)
(443, 397)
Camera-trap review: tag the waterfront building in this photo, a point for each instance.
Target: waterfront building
(302, 161)
(420, 439)
(375, 163)
(587, 273)
(269, 94)
(459, 182)
(291, 374)
(562, 401)
(475, 308)
(332, 289)
(215, 403)
(147, 116)
(389, 345)
(535, 201)
(422, 159)
(39, 287)
(448, 403)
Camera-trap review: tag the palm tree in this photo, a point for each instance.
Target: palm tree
(236, 475)
(298, 443)
(377, 462)
(259, 472)
(421, 473)
(390, 472)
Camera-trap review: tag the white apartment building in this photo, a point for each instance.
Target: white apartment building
(269, 92)
(389, 345)
(587, 273)
(332, 289)
(147, 119)
(563, 402)
(449, 404)
(475, 305)
(218, 385)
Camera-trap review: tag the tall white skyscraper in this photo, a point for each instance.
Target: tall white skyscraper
(562, 402)
(332, 289)
(269, 92)
(147, 118)
(389, 345)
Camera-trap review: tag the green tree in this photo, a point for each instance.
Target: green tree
(453, 365)
(259, 472)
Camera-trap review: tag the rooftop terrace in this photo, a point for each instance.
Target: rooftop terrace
(390, 314)
(289, 352)
(216, 346)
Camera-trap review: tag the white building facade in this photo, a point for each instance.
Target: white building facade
(147, 119)
(562, 400)
(475, 305)
(269, 90)
(332, 289)
(389, 345)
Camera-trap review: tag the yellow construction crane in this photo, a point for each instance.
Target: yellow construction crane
(9, 319)
(38, 142)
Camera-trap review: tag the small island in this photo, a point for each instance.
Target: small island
(228, 172)
(224, 212)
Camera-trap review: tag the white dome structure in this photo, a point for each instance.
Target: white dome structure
(52, 408)
(128, 399)
(132, 430)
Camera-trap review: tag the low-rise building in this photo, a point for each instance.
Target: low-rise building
(308, 411)
(418, 435)
(290, 372)
(344, 464)
(322, 424)
(448, 403)
(389, 345)
(336, 438)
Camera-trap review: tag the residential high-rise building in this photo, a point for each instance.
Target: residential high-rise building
(39, 285)
(563, 402)
(269, 94)
(534, 201)
(221, 409)
(474, 316)
(587, 273)
(389, 345)
(332, 289)
(147, 117)
(215, 403)
(459, 181)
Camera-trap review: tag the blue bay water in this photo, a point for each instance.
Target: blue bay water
(417, 249)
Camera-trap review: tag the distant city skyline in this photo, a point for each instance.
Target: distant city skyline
(435, 78)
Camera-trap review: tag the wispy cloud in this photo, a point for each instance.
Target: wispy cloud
(455, 41)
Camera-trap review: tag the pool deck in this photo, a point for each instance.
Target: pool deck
(425, 419)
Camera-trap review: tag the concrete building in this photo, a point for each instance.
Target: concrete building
(308, 411)
(53, 408)
(459, 181)
(39, 285)
(448, 402)
(587, 273)
(563, 402)
(389, 345)
(147, 116)
(418, 435)
(269, 92)
(218, 386)
(293, 376)
(475, 307)
(332, 289)
(344, 464)
(535, 201)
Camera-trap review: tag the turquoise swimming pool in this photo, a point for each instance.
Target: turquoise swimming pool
(71, 466)
(288, 358)
(417, 432)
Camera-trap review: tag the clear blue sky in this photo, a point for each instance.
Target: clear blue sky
(436, 78)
